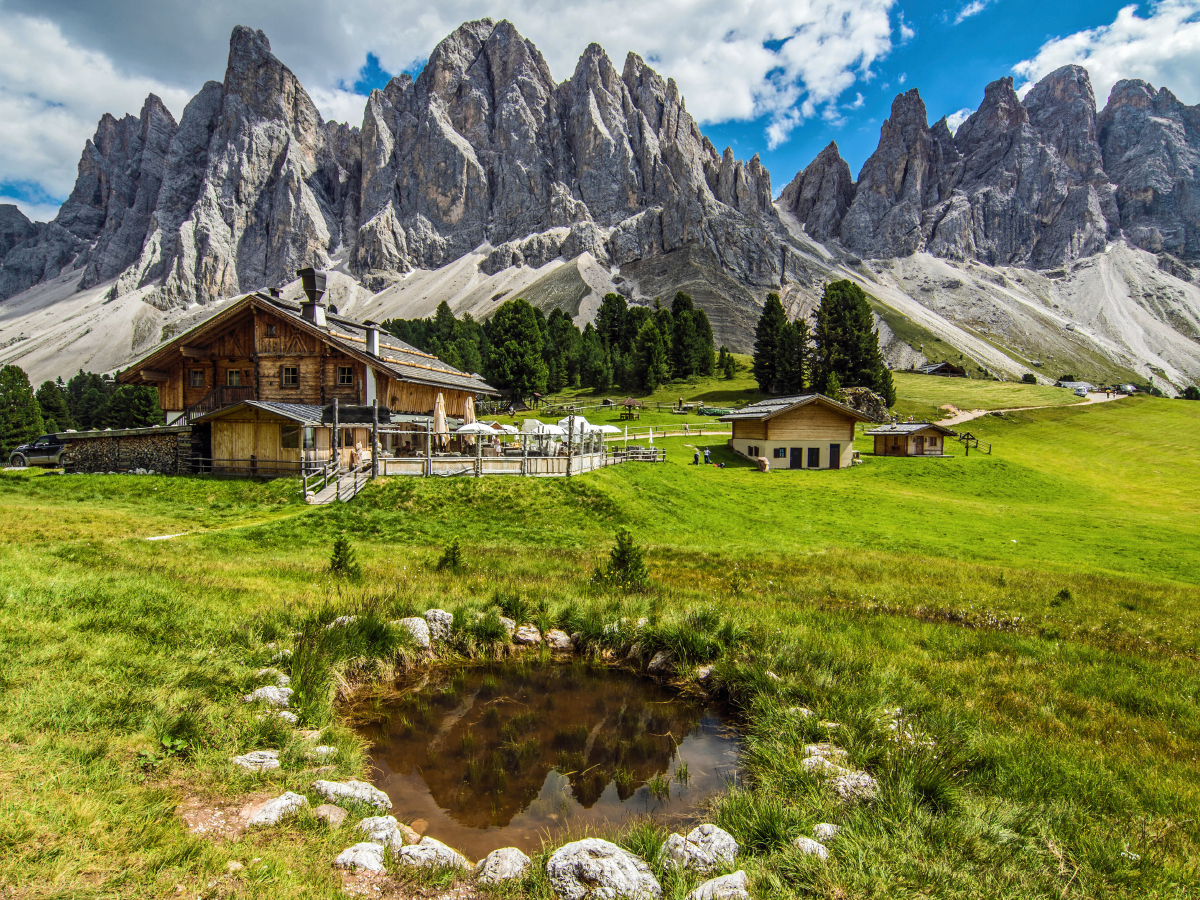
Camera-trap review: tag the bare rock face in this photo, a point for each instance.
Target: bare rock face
(255, 183)
(820, 194)
(1151, 152)
(15, 228)
(485, 147)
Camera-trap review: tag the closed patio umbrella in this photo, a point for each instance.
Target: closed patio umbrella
(469, 418)
(439, 421)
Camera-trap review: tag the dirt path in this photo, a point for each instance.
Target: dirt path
(966, 416)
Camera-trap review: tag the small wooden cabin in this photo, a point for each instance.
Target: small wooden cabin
(911, 439)
(262, 367)
(805, 432)
(944, 369)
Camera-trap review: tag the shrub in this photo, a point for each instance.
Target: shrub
(343, 562)
(1061, 597)
(700, 636)
(626, 568)
(452, 558)
(1029, 378)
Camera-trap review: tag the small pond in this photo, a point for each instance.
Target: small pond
(508, 755)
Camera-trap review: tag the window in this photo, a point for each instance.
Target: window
(270, 331)
(233, 378)
(780, 453)
(291, 377)
(345, 375)
(289, 437)
(196, 378)
(752, 451)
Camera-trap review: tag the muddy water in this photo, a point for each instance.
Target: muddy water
(512, 755)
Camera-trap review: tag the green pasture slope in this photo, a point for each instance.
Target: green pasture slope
(1033, 612)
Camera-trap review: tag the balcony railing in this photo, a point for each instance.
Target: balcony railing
(219, 398)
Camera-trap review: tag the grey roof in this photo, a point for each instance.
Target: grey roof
(297, 412)
(405, 361)
(1077, 384)
(766, 408)
(908, 428)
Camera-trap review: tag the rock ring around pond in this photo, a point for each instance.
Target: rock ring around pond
(418, 628)
(367, 856)
(706, 849)
(354, 791)
(441, 624)
(388, 831)
(527, 634)
(273, 811)
(258, 760)
(500, 865)
(431, 853)
(727, 887)
(594, 868)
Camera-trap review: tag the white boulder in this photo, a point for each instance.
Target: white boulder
(270, 695)
(727, 887)
(367, 856)
(418, 628)
(824, 831)
(559, 640)
(527, 634)
(389, 832)
(431, 854)
(355, 791)
(440, 622)
(271, 812)
(322, 752)
(856, 786)
(594, 868)
(705, 850)
(809, 847)
(504, 864)
(258, 760)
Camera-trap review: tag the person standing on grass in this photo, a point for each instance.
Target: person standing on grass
(707, 457)
(696, 458)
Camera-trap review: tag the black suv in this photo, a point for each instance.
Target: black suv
(45, 451)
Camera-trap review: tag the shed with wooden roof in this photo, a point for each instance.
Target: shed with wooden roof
(911, 439)
(809, 431)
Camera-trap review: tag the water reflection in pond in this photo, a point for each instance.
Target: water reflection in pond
(505, 756)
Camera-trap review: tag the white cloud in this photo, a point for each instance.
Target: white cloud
(63, 64)
(52, 94)
(1161, 49)
(957, 118)
(974, 8)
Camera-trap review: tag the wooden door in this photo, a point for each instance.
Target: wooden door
(796, 457)
(920, 445)
(835, 456)
(814, 457)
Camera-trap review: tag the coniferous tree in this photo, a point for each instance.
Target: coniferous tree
(766, 344)
(133, 406)
(846, 344)
(666, 327)
(791, 358)
(610, 322)
(53, 402)
(595, 370)
(515, 361)
(652, 365)
(20, 415)
(705, 357)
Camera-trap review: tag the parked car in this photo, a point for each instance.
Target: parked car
(1081, 392)
(45, 451)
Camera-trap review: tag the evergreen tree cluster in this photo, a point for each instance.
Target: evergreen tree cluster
(841, 350)
(85, 402)
(636, 348)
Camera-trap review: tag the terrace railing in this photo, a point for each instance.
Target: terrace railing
(219, 398)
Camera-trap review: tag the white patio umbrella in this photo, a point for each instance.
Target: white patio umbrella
(475, 428)
(506, 429)
(469, 419)
(581, 424)
(439, 420)
(608, 429)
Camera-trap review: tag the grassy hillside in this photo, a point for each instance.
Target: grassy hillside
(1033, 612)
(923, 396)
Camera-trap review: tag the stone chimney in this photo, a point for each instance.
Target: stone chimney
(312, 307)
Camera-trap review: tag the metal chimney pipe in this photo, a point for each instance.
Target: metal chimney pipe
(372, 335)
(313, 307)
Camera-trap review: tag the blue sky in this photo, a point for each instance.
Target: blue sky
(780, 78)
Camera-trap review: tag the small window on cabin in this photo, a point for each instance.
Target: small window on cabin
(781, 452)
(196, 378)
(291, 377)
(345, 375)
(233, 378)
(309, 440)
(270, 331)
(289, 437)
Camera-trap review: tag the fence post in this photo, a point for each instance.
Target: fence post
(428, 449)
(524, 455)
(570, 441)
(337, 436)
(479, 456)
(375, 439)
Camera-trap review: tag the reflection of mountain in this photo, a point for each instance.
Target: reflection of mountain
(485, 741)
